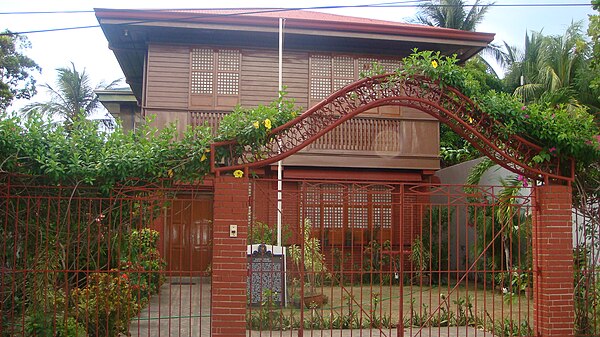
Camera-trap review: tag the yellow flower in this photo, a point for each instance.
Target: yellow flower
(470, 120)
(170, 173)
(294, 114)
(203, 158)
(255, 124)
(267, 123)
(238, 173)
(434, 63)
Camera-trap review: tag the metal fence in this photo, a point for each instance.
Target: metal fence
(81, 261)
(586, 232)
(383, 258)
(357, 258)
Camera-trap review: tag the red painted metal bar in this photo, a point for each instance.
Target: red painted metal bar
(445, 103)
(374, 280)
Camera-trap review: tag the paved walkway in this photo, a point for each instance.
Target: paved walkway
(182, 309)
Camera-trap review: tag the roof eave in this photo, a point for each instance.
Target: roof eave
(402, 29)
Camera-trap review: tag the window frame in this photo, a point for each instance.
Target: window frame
(331, 207)
(225, 77)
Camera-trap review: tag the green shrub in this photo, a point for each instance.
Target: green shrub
(143, 263)
(107, 303)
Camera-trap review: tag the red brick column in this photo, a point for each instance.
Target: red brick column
(553, 307)
(228, 314)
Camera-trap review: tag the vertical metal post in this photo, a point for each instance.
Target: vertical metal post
(279, 164)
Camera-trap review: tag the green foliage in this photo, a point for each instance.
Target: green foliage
(375, 260)
(587, 288)
(509, 328)
(80, 231)
(251, 126)
(77, 153)
(52, 324)
(434, 240)
(419, 256)
(569, 130)
(454, 149)
(594, 34)
(72, 97)
(456, 14)
(15, 69)
(82, 155)
(308, 256)
(108, 302)
(260, 232)
(503, 226)
(143, 264)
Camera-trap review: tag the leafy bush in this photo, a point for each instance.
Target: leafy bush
(143, 264)
(250, 126)
(108, 302)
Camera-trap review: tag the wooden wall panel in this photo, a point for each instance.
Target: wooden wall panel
(162, 118)
(260, 77)
(168, 76)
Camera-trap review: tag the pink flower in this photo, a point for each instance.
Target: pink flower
(523, 108)
(526, 116)
(553, 115)
(552, 149)
(523, 180)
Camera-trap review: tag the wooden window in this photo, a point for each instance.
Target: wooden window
(330, 73)
(320, 76)
(215, 78)
(339, 211)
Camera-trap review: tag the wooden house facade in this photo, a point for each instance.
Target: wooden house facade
(192, 67)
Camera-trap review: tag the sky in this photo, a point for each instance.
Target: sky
(88, 48)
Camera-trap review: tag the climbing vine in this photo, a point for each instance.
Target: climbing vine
(82, 155)
(561, 129)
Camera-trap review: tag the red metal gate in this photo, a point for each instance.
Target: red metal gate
(586, 220)
(392, 259)
(81, 261)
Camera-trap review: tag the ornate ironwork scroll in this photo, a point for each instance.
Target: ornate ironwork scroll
(445, 103)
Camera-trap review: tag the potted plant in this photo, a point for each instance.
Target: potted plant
(308, 258)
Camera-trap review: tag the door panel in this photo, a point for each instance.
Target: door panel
(188, 232)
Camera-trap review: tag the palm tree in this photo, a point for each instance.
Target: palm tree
(550, 65)
(456, 14)
(71, 99)
(452, 14)
(522, 64)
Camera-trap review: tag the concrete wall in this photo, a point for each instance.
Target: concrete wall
(462, 232)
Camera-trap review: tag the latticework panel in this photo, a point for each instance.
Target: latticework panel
(343, 71)
(229, 60)
(202, 71)
(228, 83)
(320, 76)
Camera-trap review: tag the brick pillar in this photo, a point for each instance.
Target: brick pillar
(228, 314)
(553, 307)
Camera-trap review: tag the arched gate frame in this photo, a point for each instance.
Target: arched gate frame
(551, 232)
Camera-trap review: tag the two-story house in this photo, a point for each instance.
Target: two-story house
(194, 66)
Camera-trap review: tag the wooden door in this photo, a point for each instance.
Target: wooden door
(188, 236)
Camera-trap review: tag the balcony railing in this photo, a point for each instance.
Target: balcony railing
(212, 118)
(357, 134)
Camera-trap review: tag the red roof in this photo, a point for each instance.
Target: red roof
(300, 19)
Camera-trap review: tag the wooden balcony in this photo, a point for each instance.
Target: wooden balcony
(368, 142)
